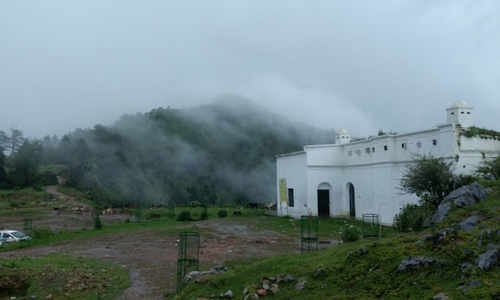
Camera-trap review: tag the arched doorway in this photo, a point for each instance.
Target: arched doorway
(352, 201)
(324, 200)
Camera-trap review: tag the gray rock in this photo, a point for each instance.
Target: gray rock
(488, 233)
(489, 176)
(441, 296)
(439, 215)
(469, 224)
(362, 251)
(288, 278)
(465, 267)
(301, 283)
(464, 190)
(318, 272)
(464, 200)
(229, 294)
(414, 262)
(474, 283)
(419, 243)
(491, 247)
(219, 269)
(266, 286)
(487, 260)
(478, 191)
(489, 190)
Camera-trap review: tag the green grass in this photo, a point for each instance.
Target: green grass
(63, 277)
(348, 273)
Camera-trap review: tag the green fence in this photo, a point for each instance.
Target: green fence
(309, 233)
(189, 255)
(371, 225)
(28, 226)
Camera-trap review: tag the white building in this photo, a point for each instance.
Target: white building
(352, 178)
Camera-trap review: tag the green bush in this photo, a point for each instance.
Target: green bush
(204, 215)
(41, 232)
(222, 213)
(184, 216)
(350, 234)
(97, 220)
(412, 216)
(37, 187)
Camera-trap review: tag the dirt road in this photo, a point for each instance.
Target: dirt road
(151, 257)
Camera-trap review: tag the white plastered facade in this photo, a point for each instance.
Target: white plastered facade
(352, 178)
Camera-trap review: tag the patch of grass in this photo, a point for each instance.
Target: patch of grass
(63, 277)
(359, 270)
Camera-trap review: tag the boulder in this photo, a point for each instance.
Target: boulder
(415, 262)
(489, 176)
(469, 224)
(439, 215)
(478, 191)
(460, 192)
(487, 260)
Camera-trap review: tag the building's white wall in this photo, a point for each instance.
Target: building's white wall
(375, 167)
(484, 144)
(324, 155)
(293, 169)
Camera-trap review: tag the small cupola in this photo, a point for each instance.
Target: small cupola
(342, 137)
(460, 113)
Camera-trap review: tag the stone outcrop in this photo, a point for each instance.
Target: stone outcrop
(415, 262)
(463, 196)
(487, 260)
(469, 224)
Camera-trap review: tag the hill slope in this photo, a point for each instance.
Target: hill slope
(220, 153)
(444, 262)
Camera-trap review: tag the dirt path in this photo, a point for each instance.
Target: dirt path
(151, 257)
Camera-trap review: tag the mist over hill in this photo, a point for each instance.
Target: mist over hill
(221, 153)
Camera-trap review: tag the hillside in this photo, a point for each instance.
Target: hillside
(446, 261)
(220, 153)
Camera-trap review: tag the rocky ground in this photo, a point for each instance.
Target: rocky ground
(150, 258)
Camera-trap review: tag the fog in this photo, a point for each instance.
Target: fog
(360, 65)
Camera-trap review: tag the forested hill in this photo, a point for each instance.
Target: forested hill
(221, 153)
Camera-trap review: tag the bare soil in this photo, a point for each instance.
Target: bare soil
(150, 258)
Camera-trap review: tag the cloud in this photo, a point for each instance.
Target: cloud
(362, 65)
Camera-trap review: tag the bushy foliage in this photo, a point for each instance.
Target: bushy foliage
(41, 232)
(222, 213)
(25, 163)
(412, 216)
(97, 220)
(490, 166)
(350, 234)
(475, 131)
(428, 177)
(184, 216)
(204, 215)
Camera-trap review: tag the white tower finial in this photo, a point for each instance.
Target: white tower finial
(342, 137)
(460, 113)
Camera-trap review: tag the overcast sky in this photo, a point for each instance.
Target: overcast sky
(360, 65)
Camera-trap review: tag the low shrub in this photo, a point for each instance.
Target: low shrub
(41, 232)
(37, 187)
(222, 214)
(97, 220)
(184, 216)
(350, 234)
(412, 216)
(204, 215)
